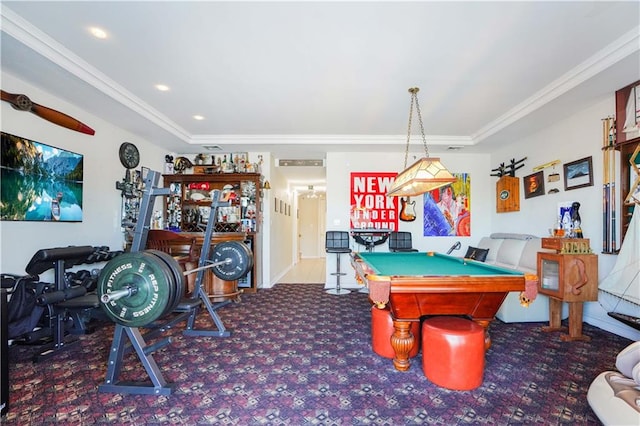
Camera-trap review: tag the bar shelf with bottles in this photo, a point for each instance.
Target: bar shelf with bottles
(189, 201)
(188, 205)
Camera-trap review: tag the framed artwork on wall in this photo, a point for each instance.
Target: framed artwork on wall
(578, 174)
(534, 185)
(39, 182)
(447, 210)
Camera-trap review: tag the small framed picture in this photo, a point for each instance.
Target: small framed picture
(534, 185)
(578, 174)
(275, 204)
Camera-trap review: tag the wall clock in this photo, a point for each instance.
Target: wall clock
(129, 155)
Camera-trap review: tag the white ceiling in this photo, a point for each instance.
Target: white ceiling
(302, 78)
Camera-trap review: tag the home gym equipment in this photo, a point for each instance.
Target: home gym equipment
(142, 287)
(43, 312)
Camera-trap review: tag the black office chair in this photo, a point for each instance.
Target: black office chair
(337, 242)
(401, 241)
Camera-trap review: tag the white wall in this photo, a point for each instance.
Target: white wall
(568, 140)
(340, 166)
(101, 201)
(281, 227)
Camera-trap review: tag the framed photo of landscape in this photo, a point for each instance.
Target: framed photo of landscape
(578, 174)
(39, 182)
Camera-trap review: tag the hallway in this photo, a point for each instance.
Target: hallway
(306, 271)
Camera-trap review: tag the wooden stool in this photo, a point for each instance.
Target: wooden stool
(453, 352)
(382, 329)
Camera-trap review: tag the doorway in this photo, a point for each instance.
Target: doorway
(312, 208)
(309, 264)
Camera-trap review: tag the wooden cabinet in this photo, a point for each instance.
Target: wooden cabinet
(508, 194)
(189, 202)
(571, 278)
(187, 209)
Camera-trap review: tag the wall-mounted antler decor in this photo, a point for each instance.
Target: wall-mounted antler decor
(23, 103)
(509, 169)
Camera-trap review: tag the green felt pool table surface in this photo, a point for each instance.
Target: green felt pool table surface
(431, 264)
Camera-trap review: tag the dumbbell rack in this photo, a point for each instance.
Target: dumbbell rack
(187, 308)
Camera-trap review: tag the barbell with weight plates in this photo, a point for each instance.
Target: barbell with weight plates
(140, 287)
(177, 275)
(135, 289)
(231, 260)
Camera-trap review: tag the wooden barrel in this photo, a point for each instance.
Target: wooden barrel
(221, 290)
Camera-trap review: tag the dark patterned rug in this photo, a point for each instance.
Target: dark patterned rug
(300, 356)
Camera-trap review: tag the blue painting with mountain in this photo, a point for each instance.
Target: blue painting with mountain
(39, 182)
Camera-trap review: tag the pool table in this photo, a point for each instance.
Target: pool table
(422, 284)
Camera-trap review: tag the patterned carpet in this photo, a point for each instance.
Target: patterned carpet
(300, 356)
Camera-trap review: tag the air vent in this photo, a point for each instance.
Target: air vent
(300, 163)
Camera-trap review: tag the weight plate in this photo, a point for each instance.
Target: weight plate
(178, 276)
(171, 287)
(241, 260)
(148, 275)
(172, 296)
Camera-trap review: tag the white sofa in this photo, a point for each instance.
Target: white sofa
(615, 395)
(518, 251)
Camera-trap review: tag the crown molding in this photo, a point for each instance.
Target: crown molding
(29, 35)
(626, 45)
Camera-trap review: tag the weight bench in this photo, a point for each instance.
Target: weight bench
(66, 306)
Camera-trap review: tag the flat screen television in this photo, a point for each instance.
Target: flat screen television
(39, 182)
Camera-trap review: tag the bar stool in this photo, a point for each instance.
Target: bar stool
(401, 241)
(337, 242)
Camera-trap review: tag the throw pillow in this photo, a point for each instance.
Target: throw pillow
(476, 253)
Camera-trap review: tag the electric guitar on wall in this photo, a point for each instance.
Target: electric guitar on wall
(407, 211)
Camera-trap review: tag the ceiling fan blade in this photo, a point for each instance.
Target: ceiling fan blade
(23, 103)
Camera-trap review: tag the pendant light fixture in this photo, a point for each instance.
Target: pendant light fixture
(425, 174)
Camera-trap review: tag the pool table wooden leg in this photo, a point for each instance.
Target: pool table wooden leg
(402, 340)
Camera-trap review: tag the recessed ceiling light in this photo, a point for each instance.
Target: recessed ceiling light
(198, 117)
(162, 87)
(98, 32)
(212, 147)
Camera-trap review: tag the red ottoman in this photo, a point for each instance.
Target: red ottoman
(453, 352)
(382, 329)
